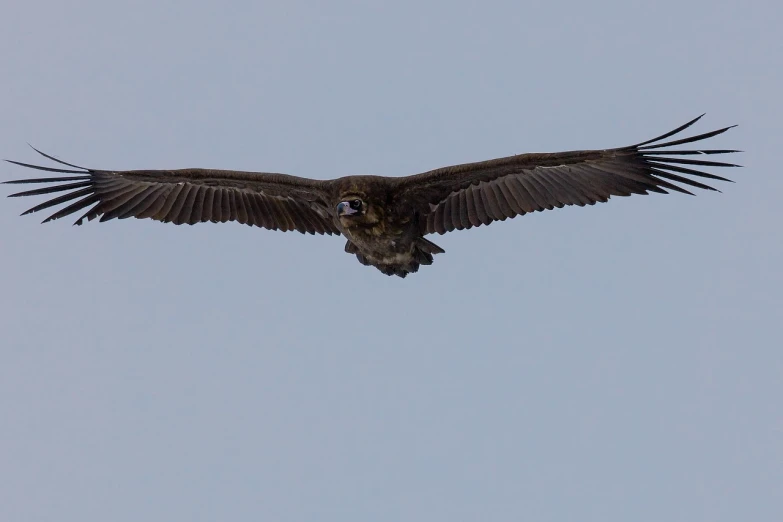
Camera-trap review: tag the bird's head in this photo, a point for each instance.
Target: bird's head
(357, 210)
(353, 206)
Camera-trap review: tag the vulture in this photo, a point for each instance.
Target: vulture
(386, 220)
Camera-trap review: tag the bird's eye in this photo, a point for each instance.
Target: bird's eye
(356, 204)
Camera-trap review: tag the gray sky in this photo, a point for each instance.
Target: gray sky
(613, 363)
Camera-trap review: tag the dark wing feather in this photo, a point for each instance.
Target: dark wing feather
(464, 196)
(273, 201)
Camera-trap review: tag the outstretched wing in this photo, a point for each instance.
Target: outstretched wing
(475, 194)
(273, 201)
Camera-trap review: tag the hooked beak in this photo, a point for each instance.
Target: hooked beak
(344, 209)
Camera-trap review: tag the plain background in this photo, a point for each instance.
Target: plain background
(612, 363)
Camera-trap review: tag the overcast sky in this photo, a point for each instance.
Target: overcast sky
(620, 362)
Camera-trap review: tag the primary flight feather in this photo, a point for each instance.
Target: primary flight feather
(384, 219)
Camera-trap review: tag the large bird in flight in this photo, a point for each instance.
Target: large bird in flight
(385, 219)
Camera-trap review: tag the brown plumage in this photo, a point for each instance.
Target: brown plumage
(385, 219)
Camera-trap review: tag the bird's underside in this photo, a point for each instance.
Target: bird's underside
(384, 219)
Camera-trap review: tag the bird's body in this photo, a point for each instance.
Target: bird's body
(384, 219)
(388, 235)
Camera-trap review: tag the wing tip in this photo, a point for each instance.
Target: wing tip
(652, 142)
(48, 156)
